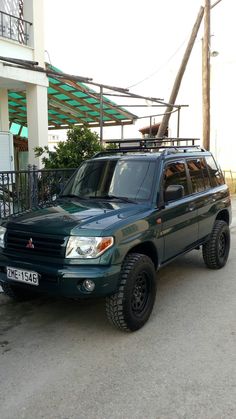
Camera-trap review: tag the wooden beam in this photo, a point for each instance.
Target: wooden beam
(71, 107)
(20, 121)
(85, 90)
(68, 114)
(60, 111)
(94, 125)
(71, 97)
(113, 121)
(206, 78)
(80, 101)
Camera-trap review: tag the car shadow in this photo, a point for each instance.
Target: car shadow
(46, 312)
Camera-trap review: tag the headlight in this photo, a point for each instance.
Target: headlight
(2, 234)
(87, 247)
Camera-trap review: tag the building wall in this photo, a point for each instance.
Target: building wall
(35, 84)
(12, 50)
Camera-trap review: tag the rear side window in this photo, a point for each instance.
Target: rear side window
(206, 175)
(175, 174)
(196, 174)
(214, 171)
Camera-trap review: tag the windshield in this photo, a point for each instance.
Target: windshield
(106, 179)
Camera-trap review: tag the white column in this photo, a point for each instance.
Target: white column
(4, 112)
(37, 120)
(33, 12)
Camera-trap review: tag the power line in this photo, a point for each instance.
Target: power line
(159, 68)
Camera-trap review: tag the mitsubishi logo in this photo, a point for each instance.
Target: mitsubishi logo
(30, 244)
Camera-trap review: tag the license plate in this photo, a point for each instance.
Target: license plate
(28, 277)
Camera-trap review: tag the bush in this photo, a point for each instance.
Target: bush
(81, 144)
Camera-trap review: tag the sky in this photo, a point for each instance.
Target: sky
(117, 43)
(121, 43)
(137, 43)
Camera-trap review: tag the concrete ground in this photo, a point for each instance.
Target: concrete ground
(61, 359)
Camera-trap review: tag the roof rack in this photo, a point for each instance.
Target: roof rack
(149, 145)
(144, 141)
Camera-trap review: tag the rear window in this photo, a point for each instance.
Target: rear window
(199, 175)
(216, 175)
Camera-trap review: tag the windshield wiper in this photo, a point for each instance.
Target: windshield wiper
(111, 197)
(71, 195)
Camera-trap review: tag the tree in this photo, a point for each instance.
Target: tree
(81, 144)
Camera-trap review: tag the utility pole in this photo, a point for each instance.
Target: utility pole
(206, 101)
(175, 90)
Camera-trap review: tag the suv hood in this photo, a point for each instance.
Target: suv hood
(70, 216)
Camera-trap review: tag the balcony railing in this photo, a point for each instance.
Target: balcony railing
(14, 28)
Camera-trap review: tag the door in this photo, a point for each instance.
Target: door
(179, 217)
(7, 153)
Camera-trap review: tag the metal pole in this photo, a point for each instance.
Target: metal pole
(35, 186)
(101, 114)
(206, 77)
(150, 127)
(122, 131)
(178, 122)
(30, 185)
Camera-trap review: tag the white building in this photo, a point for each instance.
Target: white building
(54, 140)
(21, 37)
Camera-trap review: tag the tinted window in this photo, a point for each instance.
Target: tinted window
(122, 178)
(215, 173)
(205, 172)
(196, 175)
(175, 174)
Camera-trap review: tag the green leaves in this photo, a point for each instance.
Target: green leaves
(81, 144)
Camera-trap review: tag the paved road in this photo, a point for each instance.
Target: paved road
(60, 359)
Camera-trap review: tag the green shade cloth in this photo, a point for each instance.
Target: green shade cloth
(69, 103)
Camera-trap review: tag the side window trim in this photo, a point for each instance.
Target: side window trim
(213, 179)
(189, 159)
(208, 172)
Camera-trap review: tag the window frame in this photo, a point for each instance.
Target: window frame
(168, 163)
(205, 187)
(219, 170)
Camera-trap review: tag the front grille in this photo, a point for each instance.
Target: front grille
(34, 244)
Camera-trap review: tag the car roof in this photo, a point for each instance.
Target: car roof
(130, 156)
(165, 154)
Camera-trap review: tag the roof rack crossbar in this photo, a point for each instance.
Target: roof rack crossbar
(143, 141)
(163, 148)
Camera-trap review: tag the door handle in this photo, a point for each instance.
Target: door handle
(191, 208)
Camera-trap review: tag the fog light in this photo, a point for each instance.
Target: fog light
(89, 285)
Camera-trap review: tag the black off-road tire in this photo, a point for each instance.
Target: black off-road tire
(216, 250)
(131, 306)
(17, 293)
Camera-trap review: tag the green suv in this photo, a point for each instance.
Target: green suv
(122, 216)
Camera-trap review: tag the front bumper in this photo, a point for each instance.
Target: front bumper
(65, 280)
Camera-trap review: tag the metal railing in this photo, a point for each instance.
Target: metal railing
(14, 28)
(24, 190)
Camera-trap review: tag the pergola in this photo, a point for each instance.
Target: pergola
(70, 103)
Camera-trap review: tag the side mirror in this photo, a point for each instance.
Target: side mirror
(173, 192)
